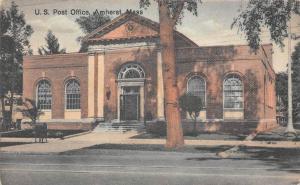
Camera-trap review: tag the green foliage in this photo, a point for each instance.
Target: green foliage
(282, 85)
(10, 68)
(272, 14)
(59, 134)
(14, 39)
(191, 104)
(13, 24)
(31, 110)
(56, 134)
(296, 82)
(176, 8)
(4, 22)
(281, 89)
(52, 46)
(89, 24)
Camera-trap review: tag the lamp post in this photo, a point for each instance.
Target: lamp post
(290, 128)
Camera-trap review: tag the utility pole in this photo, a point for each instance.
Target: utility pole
(290, 128)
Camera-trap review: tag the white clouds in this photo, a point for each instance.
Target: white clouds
(65, 29)
(211, 25)
(59, 24)
(212, 32)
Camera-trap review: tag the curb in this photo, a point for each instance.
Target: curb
(79, 134)
(27, 153)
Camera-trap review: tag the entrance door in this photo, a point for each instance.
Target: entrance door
(130, 103)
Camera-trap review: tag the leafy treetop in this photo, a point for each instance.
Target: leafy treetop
(176, 8)
(272, 14)
(52, 45)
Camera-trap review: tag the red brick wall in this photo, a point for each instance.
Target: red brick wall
(57, 69)
(214, 69)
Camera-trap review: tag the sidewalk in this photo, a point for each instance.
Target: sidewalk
(56, 145)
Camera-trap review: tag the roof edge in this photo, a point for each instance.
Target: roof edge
(55, 55)
(128, 15)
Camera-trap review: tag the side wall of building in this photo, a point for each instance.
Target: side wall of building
(258, 80)
(56, 69)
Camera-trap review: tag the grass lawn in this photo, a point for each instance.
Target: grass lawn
(267, 136)
(149, 147)
(30, 134)
(5, 144)
(200, 136)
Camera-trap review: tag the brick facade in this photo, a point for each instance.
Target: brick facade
(116, 46)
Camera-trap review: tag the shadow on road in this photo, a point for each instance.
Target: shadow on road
(282, 159)
(278, 159)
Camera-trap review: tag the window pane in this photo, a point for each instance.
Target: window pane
(233, 92)
(196, 86)
(72, 95)
(131, 71)
(44, 95)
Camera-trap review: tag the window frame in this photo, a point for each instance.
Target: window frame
(37, 96)
(205, 90)
(66, 95)
(242, 92)
(129, 67)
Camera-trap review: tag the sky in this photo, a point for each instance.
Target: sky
(211, 27)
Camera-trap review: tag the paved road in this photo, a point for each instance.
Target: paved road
(125, 167)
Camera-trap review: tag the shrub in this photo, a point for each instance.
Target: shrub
(191, 104)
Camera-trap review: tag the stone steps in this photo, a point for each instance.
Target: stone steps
(120, 127)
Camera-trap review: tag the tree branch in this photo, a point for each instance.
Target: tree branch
(177, 11)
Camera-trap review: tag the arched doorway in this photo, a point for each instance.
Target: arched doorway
(131, 80)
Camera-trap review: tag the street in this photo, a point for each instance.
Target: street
(122, 167)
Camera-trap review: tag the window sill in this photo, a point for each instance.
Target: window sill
(72, 110)
(233, 109)
(46, 110)
(234, 120)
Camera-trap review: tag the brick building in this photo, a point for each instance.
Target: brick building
(120, 79)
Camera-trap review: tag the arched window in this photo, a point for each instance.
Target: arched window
(197, 86)
(44, 95)
(233, 92)
(72, 94)
(131, 71)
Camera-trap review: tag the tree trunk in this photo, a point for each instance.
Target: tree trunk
(173, 118)
(195, 126)
(11, 106)
(2, 107)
